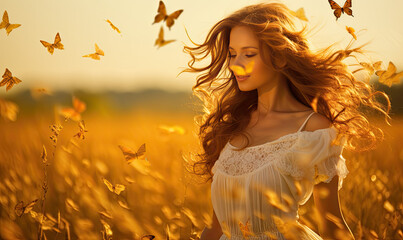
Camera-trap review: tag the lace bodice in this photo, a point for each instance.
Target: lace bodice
(254, 157)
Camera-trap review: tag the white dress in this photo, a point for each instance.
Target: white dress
(244, 182)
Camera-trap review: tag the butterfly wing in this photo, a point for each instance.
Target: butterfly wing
(48, 46)
(10, 27)
(141, 151)
(78, 105)
(170, 19)
(166, 42)
(29, 206)
(98, 50)
(5, 19)
(7, 74)
(347, 8)
(108, 184)
(19, 208)
(57, 44)
(300, 13)
(162, 13)
(129, 155)
(368, 67)
(238, 70)
(337, 9)
(377, 65)
(249, 67)
(119, 188)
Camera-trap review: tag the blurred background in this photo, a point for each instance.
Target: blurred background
(134, 95)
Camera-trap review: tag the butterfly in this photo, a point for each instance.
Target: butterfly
(371, 68)
(130, 156)
(389, 76)
(338, 10)
(351, 31)
(160, 40)
(95, 55)
(6, 24)
(36, 93)
(243, 71)
(20, 209)
(300, 13)
(75, 112)
(80, 134)
(245, 229)
(162, 15)
(9, 80)
(51, 47)
(113, 26)
(118, 188)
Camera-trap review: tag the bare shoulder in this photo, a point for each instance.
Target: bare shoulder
(317, 121)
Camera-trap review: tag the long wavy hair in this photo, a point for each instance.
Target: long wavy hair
(318, 79)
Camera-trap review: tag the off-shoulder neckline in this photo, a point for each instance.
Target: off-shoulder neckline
(284, 137)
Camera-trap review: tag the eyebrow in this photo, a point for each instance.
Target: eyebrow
(246, 47)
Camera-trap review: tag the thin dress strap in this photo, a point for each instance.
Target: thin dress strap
(306, 120)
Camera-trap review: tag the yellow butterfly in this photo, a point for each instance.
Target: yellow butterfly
(371, 68)
(9, 80)
(160, 40)
(162, 15)
(118, 188)
(389, 76)
(351, 31)
(20, 209)
(130, 156)
(300, 13)
(75, 112)
(338, 10)
(240, 71)
(80, 134)
(246, 232)
(113, 26)
(97, 53)
(6, 24)
(51, 46)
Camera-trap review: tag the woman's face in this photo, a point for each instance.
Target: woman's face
(243, 48)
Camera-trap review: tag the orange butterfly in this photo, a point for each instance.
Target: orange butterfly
(113, 26)
(130, 156)
(338, 10)
(160, 40)
(6, 24)
(162, 15)
(20, 209)
(51, 47)
(118, 188)
(371, 68)
(9, 80)
(351, 31)
(95, 55)
(245, 229)
(75, 112)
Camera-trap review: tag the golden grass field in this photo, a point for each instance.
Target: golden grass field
(160, 197)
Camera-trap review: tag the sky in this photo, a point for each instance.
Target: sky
(131, 60)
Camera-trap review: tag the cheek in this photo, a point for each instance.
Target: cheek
(261, 70)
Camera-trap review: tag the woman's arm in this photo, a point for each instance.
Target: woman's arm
(330, 205)
(213, 233)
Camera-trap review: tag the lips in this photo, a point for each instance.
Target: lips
(242, 78)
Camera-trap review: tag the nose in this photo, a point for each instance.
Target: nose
(237, 61)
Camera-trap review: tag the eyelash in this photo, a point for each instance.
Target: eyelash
(248, 56)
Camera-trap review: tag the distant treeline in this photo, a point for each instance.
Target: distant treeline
(149, 99)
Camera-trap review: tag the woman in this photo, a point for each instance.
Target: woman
(278, 117)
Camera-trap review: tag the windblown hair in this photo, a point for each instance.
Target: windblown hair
(318, 79)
